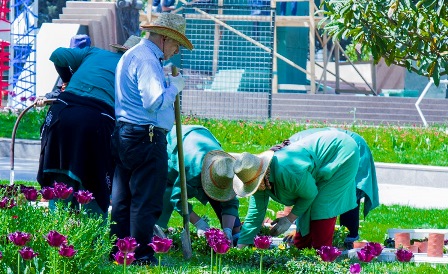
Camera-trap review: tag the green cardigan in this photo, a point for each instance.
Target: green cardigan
(315, 175)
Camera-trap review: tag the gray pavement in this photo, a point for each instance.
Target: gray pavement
(390, 193)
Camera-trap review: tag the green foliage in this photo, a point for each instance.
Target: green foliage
(29, 125)
(408, 33)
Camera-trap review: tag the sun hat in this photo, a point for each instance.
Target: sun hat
(170, 25)
(80, 41)
(132, 41)
(217, 175)
(250, 170)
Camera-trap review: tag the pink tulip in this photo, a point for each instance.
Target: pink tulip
(19, 238)
(355, 268)
(221, 246)
(212, 235)
(83, 197)
(55, 239)
(27, 253)
(262, 242)
(120, 256)
(161, 245)
(329, 253)
(67, 251)
(127, 245)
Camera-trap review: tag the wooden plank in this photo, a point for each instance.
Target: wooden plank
(295, 21)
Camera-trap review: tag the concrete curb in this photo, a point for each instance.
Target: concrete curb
(394, 174)
(23, 149)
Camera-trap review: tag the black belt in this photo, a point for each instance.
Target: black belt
(144, 127)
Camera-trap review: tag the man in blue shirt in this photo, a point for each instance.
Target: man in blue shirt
(144, 109)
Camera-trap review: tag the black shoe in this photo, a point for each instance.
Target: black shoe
(147, 260)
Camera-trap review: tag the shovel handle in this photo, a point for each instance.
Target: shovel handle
(174, 71)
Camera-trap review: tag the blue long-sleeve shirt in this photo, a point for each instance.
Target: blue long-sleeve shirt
(142, 95)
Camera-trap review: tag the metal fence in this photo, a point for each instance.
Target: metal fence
(228, 74)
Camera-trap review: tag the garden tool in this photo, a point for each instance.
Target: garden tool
(13, 137)
(185, 234)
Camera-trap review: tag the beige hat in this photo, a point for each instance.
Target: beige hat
(132, 41)
(250, 170)
(172, 26)
(217, 175)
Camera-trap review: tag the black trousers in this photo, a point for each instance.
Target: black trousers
(139, 184)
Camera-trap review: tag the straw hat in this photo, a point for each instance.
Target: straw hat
(250, 170)
(172, 26)
(132, 41)
(217, 175)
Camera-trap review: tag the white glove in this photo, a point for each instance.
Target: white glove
(280, 226)
(177, 81)
(228, 233)
(201, 227)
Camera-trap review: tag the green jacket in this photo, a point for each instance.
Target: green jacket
(366, 182)
(197, 142)
(95, 71)
(314, 175)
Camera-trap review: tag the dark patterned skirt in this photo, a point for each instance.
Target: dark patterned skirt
(75, 141)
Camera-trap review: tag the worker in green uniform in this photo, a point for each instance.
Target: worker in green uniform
(315, 175)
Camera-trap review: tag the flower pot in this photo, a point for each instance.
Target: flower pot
(402, 239)
(412, 248)
(357, 244)
(422, 246)
(435, 244)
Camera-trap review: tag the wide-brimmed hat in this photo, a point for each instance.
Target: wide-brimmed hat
(217, 175)
(80, 41)
(132, 41)
(250, 170)
(172, 26)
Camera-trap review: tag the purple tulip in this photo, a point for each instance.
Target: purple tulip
(355, 268)
(375, 248)
(67, 251)
(4, 202)
(83, 196)
(161, 245)
(221, 246)
(32, 98)
(27, 253)
(119, 257)
(262, 242)
(212, 235)
(47, 193)
(329, 253)
(55, 239)
(127, 245)
(30, 194)
(19, 238)
(61, 191)
(365, 255)
(404, 255)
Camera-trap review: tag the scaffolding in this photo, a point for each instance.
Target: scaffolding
(22, 73)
